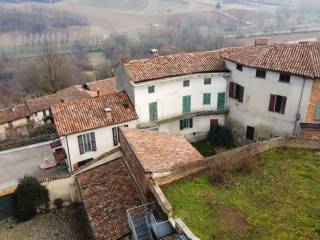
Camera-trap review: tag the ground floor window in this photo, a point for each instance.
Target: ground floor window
(87, 143)
(250, 133)
(186, 123)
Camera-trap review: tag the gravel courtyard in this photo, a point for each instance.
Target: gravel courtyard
(62, 224)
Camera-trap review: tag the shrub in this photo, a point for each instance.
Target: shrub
(30, 195)
(220, 173)
(221, 136)
(42, 130)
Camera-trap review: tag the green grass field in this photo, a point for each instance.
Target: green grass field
(279, 200)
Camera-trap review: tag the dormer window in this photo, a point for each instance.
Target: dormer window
(239, 67)
(285, 78)
(151, 89)
(261, 74)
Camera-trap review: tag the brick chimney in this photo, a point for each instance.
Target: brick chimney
(154, 52)
(261, 42)
(109, 113)
(98, 92)
(125, 60)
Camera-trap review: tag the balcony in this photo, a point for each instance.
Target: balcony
(173, 118)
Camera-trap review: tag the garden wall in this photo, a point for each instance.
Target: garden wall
(236, 155)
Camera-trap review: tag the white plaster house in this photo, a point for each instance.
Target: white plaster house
(270, 88)
(179, 93)
(88, 128)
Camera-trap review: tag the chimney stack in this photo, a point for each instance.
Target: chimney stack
(154, 52)
(109, 113)
(125, 60)
(261, 42)
(98, 92)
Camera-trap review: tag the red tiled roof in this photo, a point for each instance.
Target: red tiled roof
(107, 192)
(159, 151)
(85, 114)
(14, 113)
(105, 86)
(301, 59)
(43, 103)
(175, 65)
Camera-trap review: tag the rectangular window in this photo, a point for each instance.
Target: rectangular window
(10, 124)
(221, 100)
(115, 136)
(186, 83)
(261, 74)
(239, 67)
(186, 123)
(284, 78)
(206, 98)
(87, 143)
(277, 103)
(186, 104)
(151, 89)
(317, 112)
(236, 91)
(153, 111)
(207, 81)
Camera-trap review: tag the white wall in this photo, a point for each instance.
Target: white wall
(104, 142)
(169, 92)
(254, 109)
(199, 131)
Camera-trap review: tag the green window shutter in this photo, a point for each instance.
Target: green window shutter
(153, 111)
(181, 124)
(186, 105)
(221, 100)
(191, 123)
(317, 112)
(206, 98)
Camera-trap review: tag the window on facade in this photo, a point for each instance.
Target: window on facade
(87, 143)
(10, 124)
(156, 129)
(44, 113)
(221, 100)
(236, 91)
(186, 83)
(151, 89)
(206, 98)
(153, 111)
(277, 103)
(261, 74)
(317, 112)
(116, 134)
(186, 104)
(207, 81)
(36, 114)
(284, 77)
(186, 123)
(239, 67)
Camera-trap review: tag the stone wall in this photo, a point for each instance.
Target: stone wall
(314, 99)
(236, 155)
(138, 174)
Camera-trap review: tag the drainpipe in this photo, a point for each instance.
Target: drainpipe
(298, 110)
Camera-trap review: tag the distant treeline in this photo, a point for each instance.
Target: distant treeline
(35, 20)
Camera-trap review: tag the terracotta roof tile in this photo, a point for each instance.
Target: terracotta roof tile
(159, 151)
(14, 113)
(107, 192)
(175, 65)
(301, 59)
(105, 86)
(85, 114)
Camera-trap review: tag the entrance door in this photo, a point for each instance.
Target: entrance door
(214, 122)
(250, 133)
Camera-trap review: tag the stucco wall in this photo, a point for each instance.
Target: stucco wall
(104, 142)
(254, 109)
(123, 82)
(169, 92)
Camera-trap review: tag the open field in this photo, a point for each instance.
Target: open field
(278, 200)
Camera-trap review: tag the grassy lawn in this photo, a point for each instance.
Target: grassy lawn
(279, 200)
(205, 148)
